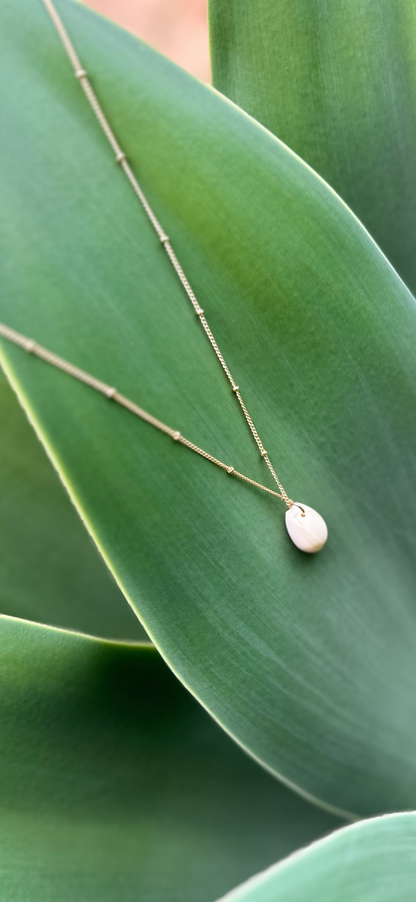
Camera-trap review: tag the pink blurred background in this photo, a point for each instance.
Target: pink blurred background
(178, 28)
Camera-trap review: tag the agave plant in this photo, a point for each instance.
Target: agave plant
(190, 704)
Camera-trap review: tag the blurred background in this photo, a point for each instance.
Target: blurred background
(178, 28)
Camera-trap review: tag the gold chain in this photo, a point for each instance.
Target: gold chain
(112, 394)
(81, 75)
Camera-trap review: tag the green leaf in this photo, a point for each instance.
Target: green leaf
(117, 785)
(374, 861)
(308, 661)
(49, 568)
(336, 82)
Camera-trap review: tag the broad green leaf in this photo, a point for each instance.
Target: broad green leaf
(49, 568)
(336, 82)
(116, 785)
(309, 662)
(373, 861)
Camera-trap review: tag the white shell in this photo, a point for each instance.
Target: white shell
(306, 527)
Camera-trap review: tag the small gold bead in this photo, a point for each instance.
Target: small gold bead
(80, 73)
(176, 436)
(230, 470)
(199, 311)
(30, 346)
(164, 239)
(236, 388)
(110, 392)
(120, 156)
(264, 453)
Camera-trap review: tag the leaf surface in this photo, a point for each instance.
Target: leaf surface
(373, 861)
(336, 82)
(115, 784)
(308, 661)
(49, 568)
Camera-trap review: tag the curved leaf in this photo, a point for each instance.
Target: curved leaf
(309, 662)
(49, 569)
(374, 861)
(336, 82)
(115, 784)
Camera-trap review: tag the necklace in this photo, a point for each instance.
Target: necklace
(306, 527)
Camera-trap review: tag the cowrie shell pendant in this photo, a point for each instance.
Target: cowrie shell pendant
(306, 527)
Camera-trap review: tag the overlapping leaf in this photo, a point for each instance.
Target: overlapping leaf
(336, 82)
(115, 784)
(373, 861)
(309, 662)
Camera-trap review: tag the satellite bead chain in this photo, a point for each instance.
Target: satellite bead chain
(305, 526)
